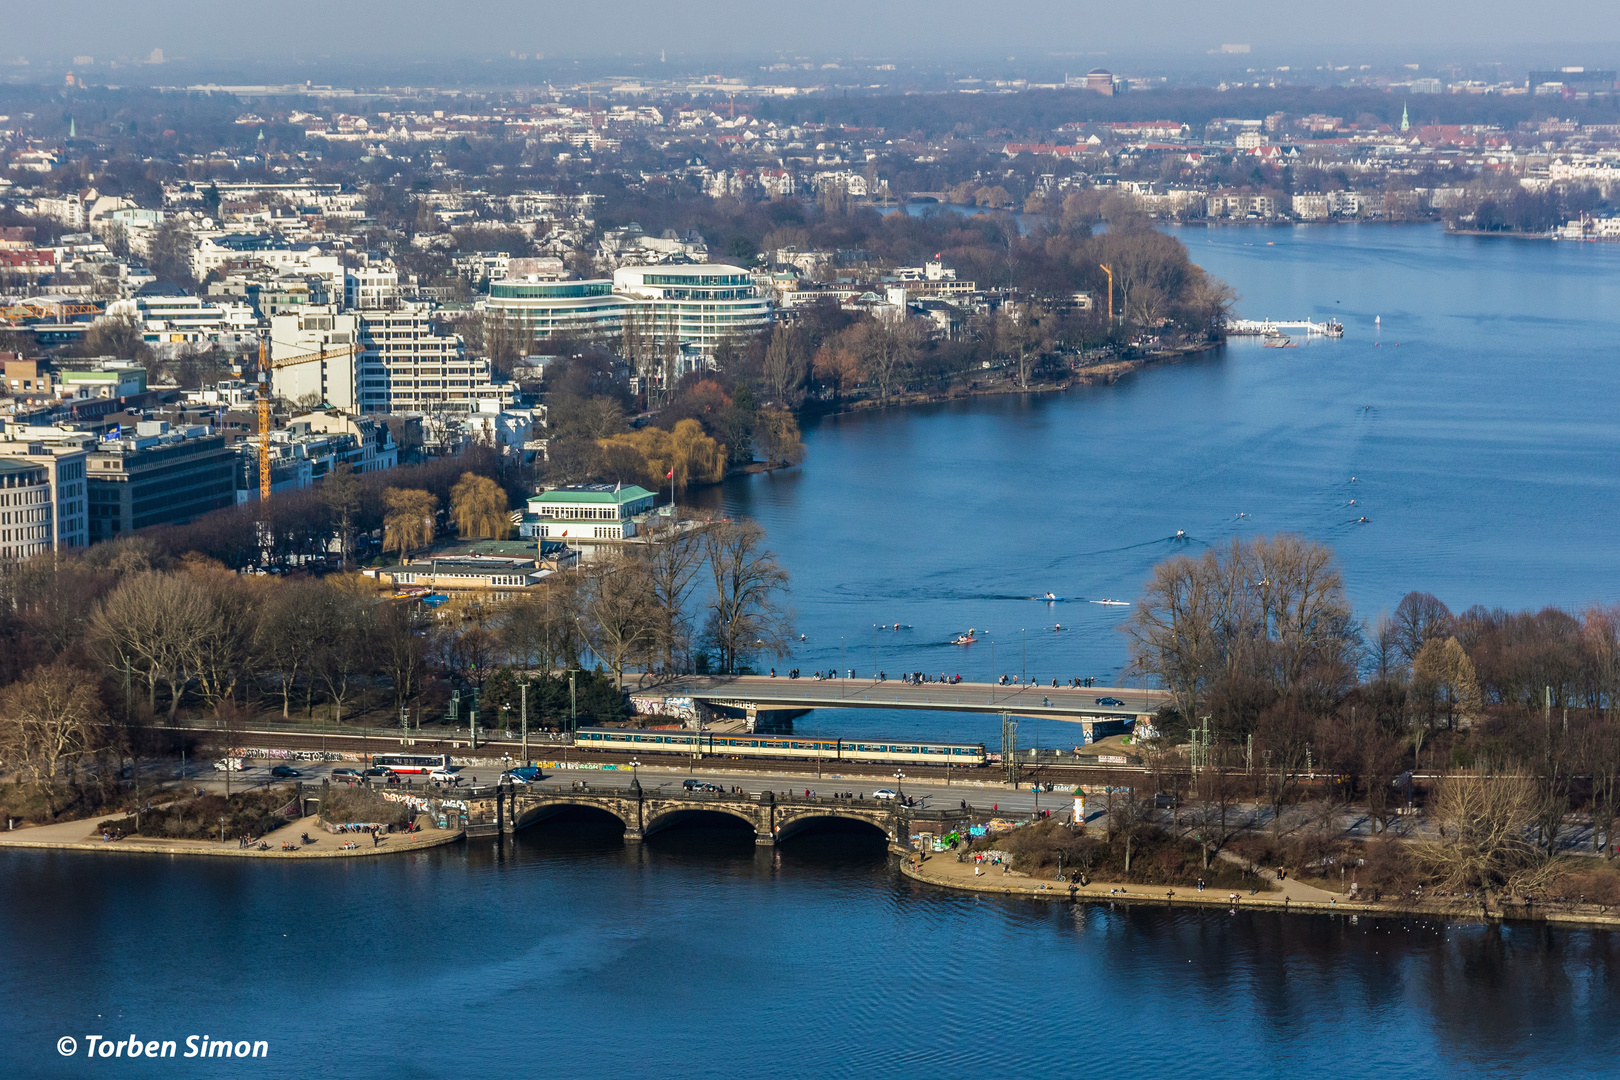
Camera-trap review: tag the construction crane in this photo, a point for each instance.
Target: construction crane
(26, 310)
(266, 366)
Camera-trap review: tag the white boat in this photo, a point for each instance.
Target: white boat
(1113, 603)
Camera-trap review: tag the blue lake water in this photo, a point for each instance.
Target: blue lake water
(1486, 464)
(565, 954)
(1476, 429)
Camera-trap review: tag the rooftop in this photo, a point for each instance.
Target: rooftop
(596, 494)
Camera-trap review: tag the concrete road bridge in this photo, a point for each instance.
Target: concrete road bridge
(773, 817)
(753, 694)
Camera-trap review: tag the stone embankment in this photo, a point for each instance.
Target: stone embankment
(942, 870)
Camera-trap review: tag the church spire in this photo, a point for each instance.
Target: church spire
(1406, 121)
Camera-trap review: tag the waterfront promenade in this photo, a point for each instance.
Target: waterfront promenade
(83, 836)
(941, 870)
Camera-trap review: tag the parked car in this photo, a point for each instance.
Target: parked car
(285, 771)
(347, 776)
(1109, 701)
(885, 793)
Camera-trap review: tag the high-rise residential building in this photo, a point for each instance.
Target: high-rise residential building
(400, 362)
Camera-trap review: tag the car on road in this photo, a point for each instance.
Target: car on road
(285, 771)
(523, 774)
(374, 773)
(347, 776)
(701, 785)
(1109, 701)
(885, 793)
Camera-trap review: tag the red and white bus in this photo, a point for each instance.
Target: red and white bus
(412, 763)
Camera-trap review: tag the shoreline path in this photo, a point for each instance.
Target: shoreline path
(82, 836)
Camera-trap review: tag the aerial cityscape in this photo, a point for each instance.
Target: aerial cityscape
(811, 542)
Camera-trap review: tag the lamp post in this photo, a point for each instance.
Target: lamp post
(1023, 671)
(842, 658)
(524, 691)
(899, 781)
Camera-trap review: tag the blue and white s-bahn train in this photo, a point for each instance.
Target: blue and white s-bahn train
(709, 744)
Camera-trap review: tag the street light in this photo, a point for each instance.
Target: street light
(524, 689)
(899, 781)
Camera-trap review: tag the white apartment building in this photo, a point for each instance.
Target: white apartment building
(401, 362)
(371, 288)
(167, 316)
(1311, 206)
(61, 518)
(1231, 204)
(221, 249)
(1600, 170)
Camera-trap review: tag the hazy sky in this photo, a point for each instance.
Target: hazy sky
(202, 28)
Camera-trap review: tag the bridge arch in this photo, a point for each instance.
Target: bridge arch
(664, 818)
(536, 811)
(793, 823)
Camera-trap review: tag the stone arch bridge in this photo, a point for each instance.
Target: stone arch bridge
(773, 817)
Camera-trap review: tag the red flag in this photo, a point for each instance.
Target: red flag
(670, 475)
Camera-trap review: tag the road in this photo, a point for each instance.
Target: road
(981, 791)
(1057, 702)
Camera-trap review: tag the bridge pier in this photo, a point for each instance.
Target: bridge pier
(632, 835)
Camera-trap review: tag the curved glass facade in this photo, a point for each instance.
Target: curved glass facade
(697, 306)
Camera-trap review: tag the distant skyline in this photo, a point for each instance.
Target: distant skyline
(416, 29)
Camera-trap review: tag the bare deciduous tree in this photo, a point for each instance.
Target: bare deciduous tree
(747, 616)
(620, 618)
(46, 720)
(673, 561)
(1486, 844)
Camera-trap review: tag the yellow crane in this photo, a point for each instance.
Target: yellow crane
(266, 366)
(27, 310)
